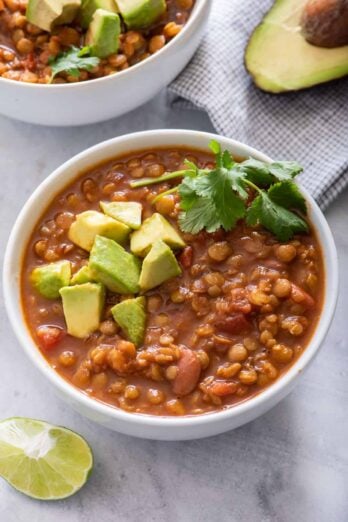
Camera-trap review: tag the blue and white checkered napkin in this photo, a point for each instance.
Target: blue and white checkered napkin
(309, 126)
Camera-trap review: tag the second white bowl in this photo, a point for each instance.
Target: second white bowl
(108, 97)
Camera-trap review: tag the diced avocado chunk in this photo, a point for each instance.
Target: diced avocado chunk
(139, 14)
(154, 228)
(83, 307)
(128, 212)
(159, 265)
(92, 223)
(49, 279)
(131, 316)
(89, 7)
(110, 264)
(82, 276)
(48, 13)
(103, 32)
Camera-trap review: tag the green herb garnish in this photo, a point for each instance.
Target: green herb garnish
(73, 61)
(220, 197)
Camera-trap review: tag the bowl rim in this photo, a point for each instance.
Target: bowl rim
(196, 12)
(14, 308)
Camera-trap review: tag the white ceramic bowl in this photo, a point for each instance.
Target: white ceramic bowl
(139, 425)
(108, 97)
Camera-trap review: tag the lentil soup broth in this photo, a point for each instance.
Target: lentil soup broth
(238, 317)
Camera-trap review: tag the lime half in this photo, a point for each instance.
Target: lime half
(41, 460)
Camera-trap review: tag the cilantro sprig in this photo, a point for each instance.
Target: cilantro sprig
(262, 193)
(73, 61)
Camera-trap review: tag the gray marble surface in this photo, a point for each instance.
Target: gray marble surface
(291, 465)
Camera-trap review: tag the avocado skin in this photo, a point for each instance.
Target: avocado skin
(130, 315)
(112, 265)
(272, 84)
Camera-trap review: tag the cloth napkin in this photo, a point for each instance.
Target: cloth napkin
(308, 126)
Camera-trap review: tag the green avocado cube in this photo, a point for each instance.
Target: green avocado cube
(89, 7)
(139, 14)
(82, 276)
(159, 265)
(103, 33)
(48, 13)
(83, 307)
(49, 279)
(113, 266)
(128, 212)
(91, 223)
(131, 317)
(154, 228)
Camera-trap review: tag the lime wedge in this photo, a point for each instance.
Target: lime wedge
(41, 460)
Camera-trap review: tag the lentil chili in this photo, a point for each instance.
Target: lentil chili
(238, 317)
(26, 50)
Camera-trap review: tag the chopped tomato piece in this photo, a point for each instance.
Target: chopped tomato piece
(221, 388)
(301, 297)
(234, 324)
(186, 257)
(189, 370)
(49, 336)
(240, 301)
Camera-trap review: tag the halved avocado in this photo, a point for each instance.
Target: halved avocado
(279, 58)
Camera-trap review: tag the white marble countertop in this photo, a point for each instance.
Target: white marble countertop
(291, 465)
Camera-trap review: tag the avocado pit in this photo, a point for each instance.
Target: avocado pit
(324, 23)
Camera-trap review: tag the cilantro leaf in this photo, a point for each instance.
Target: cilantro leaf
(223, 159)
(227, 160)
(288, 195)
(221, 180)
(263, 174)
(215, 147)
(187, 193)
(72, 61)
(224, 208)
(255, 171)
(277, 219)
(283, 170)
(217, 198)
(238, 183)
(201, 215)
(192, 169)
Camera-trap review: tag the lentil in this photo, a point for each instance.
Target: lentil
(131, 392)
(219, 251)
(237, 353)
(165, 205)
(286, 253)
